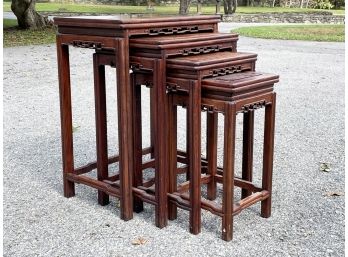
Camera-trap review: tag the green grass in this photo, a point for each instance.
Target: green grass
(331, 33)
(17, 37)
(56, 7)
(10, 23)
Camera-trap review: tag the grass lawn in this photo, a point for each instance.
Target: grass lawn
(16, 37)
(332, 33)
(56, 7)
(10, 23)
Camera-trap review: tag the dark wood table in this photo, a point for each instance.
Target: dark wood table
(113, 33)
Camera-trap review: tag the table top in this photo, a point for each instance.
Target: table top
(182, 38)
(209, 59)
(238, 80)
(118, 21)
(124, 26)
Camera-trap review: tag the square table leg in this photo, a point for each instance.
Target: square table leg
(101, 126)
(66, 116)
(212, 139)
(268, 152)
(248, 143)
(125, 128)
(160, 142)
(194, 137)
(228, 176)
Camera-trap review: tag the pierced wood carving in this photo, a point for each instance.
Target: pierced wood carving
(225, 71)
(138, 67)
(87, 44)
(200, 50)
(174, 30)
(209, 108)
(253, 106)
(172, 87)
(148, 84)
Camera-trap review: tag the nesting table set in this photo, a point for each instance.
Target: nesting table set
(183, 61)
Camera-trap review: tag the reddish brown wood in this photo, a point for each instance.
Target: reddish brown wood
(125, 131)
(243, 93)
(152, 122)
(65, 116)
(101, 126)
(229, 149)
(194, 128)
(230, 108)
(188, 143)
(137, 133)
(125, 26)
(172, 139)
(248, 142)
(268, 152)
(212, 130)
(161, 136)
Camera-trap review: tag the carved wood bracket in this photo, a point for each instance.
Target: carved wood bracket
(173, 30)
(225, 71)
(253, 106)
(87, 44)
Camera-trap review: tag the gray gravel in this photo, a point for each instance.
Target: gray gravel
(39, 221)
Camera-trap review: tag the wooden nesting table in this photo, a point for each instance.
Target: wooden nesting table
(112, 33)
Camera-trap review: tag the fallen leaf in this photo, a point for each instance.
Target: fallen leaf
(325, 167)
(334, 193)
(75, 128)
(139, 241)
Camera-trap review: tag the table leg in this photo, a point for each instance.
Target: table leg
(228, 175)
(212, 131)
(161, 144)
(101, 126)
(268, 150)
(138, 172)
(152, 122)
(187, 142)
(248, 142)
(194, 137)
(172, 139)
(125, 128)
(66, 116)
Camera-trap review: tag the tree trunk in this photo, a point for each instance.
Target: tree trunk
(230, 6)
(235, 6)
(184, 8)
(225, 7)
(26, 15)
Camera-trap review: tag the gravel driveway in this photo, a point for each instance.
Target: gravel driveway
(306, 220)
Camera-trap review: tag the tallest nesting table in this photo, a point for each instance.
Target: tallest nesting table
(113, 33)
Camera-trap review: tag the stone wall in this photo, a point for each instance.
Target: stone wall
(285, 18)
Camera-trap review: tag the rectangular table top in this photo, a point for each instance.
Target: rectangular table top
(124, 20)
(239, 80)
(208, 59)
(182, 38)
(130, 25)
